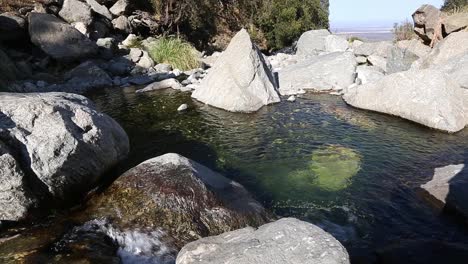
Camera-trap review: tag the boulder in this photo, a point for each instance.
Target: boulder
(8, 70)
(334, 43)
(135, 54)
(382, 49)
(312, 42)
(76, 11)
(414, 46)
(121, 7)
(239, 89)
(361, 60)
(286, 241)
(12, 27)
(367, 74)
(122, 24)
(184, 198)
(378, 61)
(457, 69)
(455, 23)
(164, 84)
(130, 40)
(99, 9)
(455, 45)
(427, 22)
(85, 77)
(332, 71)
(427, 97)
(400, 60)
(59, 39)
(145, 61)
(62, 147)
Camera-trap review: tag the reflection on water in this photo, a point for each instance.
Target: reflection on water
(352, 172)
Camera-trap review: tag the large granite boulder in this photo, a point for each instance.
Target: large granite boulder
(400, 60)
(448, 188)
(414, 46)
(427, 22)
(55, 148)
(453, 46)
(59, 39)
(334, 43)
(381, 49)
(76, 11)
(455, 23)
(367, 74)
(187, 200)
(312, 42)
(332, 71)
(457, 69)
(12, 27)
(240, 80)
(286, 241)
(121, 7)
(427, 97)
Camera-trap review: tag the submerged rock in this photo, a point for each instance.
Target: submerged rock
(62, 148)
(286, 241)
(333, 71)
(240, 80)
(180, 196)
(427, 97)
(164, 84)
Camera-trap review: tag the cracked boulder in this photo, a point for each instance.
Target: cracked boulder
(54, 148)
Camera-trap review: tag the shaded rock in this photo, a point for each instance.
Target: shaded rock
(447, 188)
(121, 7)
(333, 71)
(312, 42)
(181, 196)
(99, 29)
(62, 144)
(455, 23)
(119, 66)
(426, 22)
(12, 27)
(85, 77)
(121, 23)
(164, 84)
(58, 39)
(99, 9)
(367, 74)
(427, 97)
(414, 46)
(81, 27)
(239, 89)
(76, 11)
(286, 241)
(378, 61)
(8, 70)
(382, 49)
(334, 43)
(400, 60)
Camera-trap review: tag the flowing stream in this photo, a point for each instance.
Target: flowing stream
(354, 173)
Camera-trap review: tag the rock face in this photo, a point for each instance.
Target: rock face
(76, 11)
(181, 196)
(240, 80)
(455, 23)
(367, 74)
(447, 188)
(426, 22)
(100, 9)
(333, 71)
(58, 39)
(400, 60)
(286, 241)
(312, 42)
(427, 97)
(457, 69)
(62, 147)
(455, 45)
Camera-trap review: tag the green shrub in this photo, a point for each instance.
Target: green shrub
(403, 31)
(174, 51)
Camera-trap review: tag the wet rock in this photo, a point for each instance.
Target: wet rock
(178, 195)
(169, 83)
(427, 97)
(426, 22)
(76, 11)
(12, 27)
(239, 89)
(312, 42)
(58, 39)
(332, 71)
(286, 241)
(99, 9)
(62, 144)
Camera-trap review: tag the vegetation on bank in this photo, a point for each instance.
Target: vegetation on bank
(12, 5)
(174, 51)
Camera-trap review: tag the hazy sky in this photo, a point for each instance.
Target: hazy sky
(373, 12)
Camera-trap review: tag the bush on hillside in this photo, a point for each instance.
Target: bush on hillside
(455, 5)
(403, 31)
(174, 51)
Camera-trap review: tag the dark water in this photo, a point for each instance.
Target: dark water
(354, 173)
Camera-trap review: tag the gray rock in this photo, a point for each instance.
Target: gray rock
(164, 84)
(119, 67)
(121, 23)
(334, 43)
(100, 9)
(382, 49)
(368, 74)
(145, 61)
(85, 77)
(162, 67)
(182, 108)
(312, 42)
(76, 11)
(400, 60)
(81, 27)
(426, 21)
(447, 188)
(62, 145)
(427, 97)
(120, 8)
(457, 69)
(455, 45)
(135, 54)
(414, 46)
(8, 70)
(58, 39)
(378, 61)
(107, 43)
(140, 80)
(130, 40)
(361, 60)
(333, 71)
(286, 241)
(455, 22)
(239, 89)
(12, 27)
